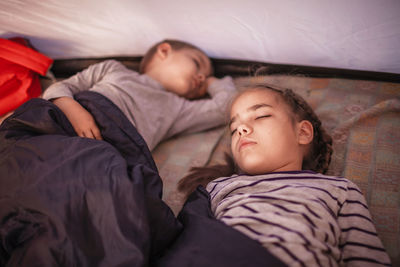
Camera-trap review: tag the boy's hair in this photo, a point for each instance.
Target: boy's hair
(175, 44)
(317, 159)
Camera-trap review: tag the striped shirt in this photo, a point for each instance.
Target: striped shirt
(303, 218)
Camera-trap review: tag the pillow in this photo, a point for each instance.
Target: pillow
(174, 157)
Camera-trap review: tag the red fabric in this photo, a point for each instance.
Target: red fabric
(19, 69)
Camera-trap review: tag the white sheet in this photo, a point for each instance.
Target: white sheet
(352, 34)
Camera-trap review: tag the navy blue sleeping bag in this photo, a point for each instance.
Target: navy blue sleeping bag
(72, 201)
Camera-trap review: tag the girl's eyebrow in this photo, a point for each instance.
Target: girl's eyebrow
(257, 106)
(252, 108)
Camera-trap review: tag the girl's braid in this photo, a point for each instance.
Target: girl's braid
(319, 156)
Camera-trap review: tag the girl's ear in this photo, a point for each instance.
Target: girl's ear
(163, 50)
(306, 132)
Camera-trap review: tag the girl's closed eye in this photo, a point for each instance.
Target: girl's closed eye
(233, 131)
(263, 116)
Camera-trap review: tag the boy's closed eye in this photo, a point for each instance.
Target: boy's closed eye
(197, 63)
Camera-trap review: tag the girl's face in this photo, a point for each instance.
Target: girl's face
(264, 137)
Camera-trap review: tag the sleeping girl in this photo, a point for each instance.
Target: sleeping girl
(274, 189)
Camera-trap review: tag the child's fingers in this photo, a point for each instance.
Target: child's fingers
(86, 134)
(210, 80)
(89, 130)
(96, 133)
(90, 133)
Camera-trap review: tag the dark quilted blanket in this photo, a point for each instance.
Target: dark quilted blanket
(71, 201)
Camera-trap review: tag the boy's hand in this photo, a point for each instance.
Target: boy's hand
(203, 89)
(82, 121)
(210, 80)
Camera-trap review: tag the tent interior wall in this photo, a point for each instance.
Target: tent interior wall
(342, 56)
(355, 34)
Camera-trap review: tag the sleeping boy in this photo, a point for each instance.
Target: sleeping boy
(161, 100)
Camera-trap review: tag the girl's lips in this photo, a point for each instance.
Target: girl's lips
(245, 143)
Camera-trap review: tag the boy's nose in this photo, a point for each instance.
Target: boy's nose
(199, 80)
(200, 77)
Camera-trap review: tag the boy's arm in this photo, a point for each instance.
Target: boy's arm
(82, 121)
(358, 241)
(82, 81)
(205, 114)
(61, 93)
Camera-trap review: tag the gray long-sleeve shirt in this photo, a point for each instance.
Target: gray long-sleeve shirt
(156, 113)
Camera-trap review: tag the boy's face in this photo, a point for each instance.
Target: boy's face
(182, 72)
(264, 138)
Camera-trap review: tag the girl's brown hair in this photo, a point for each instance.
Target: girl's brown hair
(317, 159)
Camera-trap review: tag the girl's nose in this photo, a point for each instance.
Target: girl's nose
(243, 129)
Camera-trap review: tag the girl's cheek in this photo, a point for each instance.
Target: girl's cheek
(233, 139)
(232, 144)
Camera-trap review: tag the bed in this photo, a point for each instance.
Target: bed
(360, 109)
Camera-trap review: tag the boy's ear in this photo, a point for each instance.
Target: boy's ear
(306, 132)
(163, 50)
